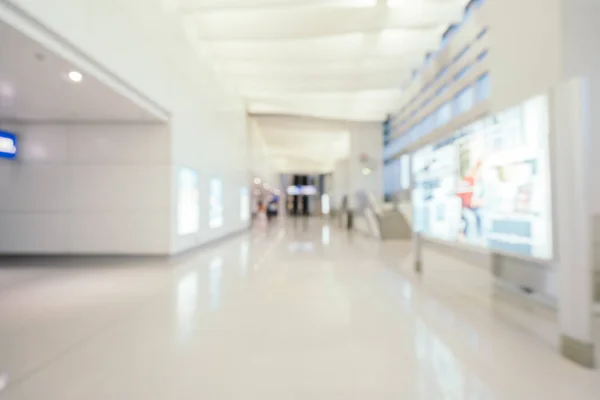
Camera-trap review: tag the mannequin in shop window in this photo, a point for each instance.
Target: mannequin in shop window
(471, 194)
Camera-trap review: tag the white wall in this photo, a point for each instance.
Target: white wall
(581, 57)
(524, 49)
(113, 189)
(427, 83)
(348, 178)
(86, 189)
(216, 149)
(137, 40)
(259, 160)
(341, 183)
(147, 47)
(524, 43)
(573, 238)
(366, 138)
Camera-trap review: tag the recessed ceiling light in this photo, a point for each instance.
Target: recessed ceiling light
(3, 381)
(398, 3)
(75, 76)
(356, 3)
(7, 94)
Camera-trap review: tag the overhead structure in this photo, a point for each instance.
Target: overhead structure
(39, 83)
(296, 144)
(332, 59)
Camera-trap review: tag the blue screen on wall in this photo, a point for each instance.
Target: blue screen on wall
(8, 145)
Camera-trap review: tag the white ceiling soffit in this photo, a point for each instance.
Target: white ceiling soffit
(324, 58)
(35, 84)
(296, 144)
(358, 107)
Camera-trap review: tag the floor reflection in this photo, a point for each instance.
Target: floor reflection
(187, 302)
(244, 258)
(325, 235)
(215, 282)
(301, 247)
(437, 359)
(271, 315)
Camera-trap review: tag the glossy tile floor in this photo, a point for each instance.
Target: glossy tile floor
(295, 311)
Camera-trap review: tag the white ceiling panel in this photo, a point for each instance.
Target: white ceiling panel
(357, 45)
(317, 57)
(315, 60)
(297, 144)
(34, 86)
(286, 23)
(315, 67)
(357, 106)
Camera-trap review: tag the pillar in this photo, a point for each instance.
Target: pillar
(570, 113)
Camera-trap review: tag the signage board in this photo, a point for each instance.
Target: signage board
(8, 145)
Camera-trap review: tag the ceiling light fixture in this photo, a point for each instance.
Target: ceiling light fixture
(356, 3)
(3, 381)
(75, 76)
(398, 3)
(7, 94)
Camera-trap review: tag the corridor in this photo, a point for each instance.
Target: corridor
(296, 310)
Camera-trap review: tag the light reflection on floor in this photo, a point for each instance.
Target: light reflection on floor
(187, 301)
(325, 235)
(294, 310)
(215, 279)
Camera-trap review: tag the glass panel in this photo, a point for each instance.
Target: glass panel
(463, 101)
(482, 88)
(444, 113)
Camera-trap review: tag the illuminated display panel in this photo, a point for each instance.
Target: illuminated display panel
(188, 206)
(215, 217)
(489, 184)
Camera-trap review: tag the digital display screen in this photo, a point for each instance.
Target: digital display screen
(188, 202)
(301, 190)
(293, 190)
(489, 184)
(8, 145)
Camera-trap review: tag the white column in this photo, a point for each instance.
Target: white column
(572, 217)
(341, 183)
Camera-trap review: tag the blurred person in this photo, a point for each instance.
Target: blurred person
(272, 209)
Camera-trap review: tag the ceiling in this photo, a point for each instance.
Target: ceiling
(301, 144)
(34, 86)
(334, 59)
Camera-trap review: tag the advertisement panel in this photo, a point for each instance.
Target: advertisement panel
(188, 206)
(244, 204)
(215, 216)
(489, 184)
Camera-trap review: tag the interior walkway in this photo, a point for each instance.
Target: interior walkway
(298, 310)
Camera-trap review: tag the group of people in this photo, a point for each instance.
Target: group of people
(270, 210)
